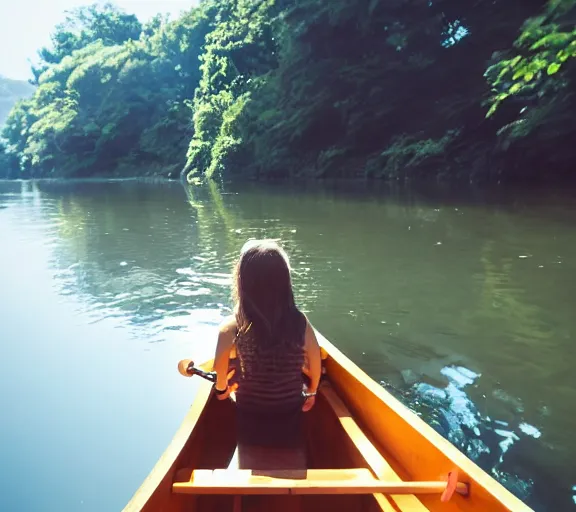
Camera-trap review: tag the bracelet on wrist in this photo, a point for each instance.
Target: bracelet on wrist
(219, 391)
(308, 395)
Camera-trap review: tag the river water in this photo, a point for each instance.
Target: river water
(461, 303)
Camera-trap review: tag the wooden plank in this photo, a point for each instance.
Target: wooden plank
(310, 481)
(378, 465)
(246, 481)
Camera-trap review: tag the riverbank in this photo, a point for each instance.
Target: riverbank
(485, 192)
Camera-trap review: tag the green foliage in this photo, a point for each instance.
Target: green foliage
(114, 102)
(544, 49)
(538, 76)
(86, 25)
(238, 49)
(408, 153)
(8, 164)
(302, 88)
(329, 87)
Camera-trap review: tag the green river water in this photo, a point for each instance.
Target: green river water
(459, 302)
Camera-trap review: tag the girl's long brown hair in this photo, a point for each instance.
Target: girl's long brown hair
(264, 300)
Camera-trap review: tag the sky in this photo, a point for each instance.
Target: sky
(26, 25)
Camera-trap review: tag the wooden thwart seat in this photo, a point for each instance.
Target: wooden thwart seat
(310, 481)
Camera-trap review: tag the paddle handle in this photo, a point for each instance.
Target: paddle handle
(190, 370)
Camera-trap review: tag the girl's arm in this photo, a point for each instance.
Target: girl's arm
(314, 364)
(224, 345)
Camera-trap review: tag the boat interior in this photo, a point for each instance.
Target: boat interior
(345, 469)
(365, 452)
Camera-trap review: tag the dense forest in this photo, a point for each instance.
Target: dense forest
(259, 89)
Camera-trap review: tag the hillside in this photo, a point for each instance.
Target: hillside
(236, 89)
(10, 92)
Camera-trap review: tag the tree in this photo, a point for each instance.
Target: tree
(86, 25)
(8, 164)
(533, 96)
(336, 88)
(111, 102)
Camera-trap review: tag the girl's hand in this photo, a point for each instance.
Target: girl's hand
(229, 389)
(309, 400)
(309, 403)
(226, 394)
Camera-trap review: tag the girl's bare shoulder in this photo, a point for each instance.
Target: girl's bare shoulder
(227, 334)
(228, 325)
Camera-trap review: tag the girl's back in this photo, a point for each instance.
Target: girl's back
(271, 339)
(269, 397)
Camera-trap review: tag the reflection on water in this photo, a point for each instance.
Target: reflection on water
(460, 304)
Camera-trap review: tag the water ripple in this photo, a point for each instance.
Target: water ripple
(452, 413)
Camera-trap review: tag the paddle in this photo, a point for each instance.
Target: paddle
(186, 367)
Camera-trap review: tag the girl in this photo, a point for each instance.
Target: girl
(273, 344)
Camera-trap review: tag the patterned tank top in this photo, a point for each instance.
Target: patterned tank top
(269, 396)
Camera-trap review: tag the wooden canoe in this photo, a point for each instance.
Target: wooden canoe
(366, 451)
